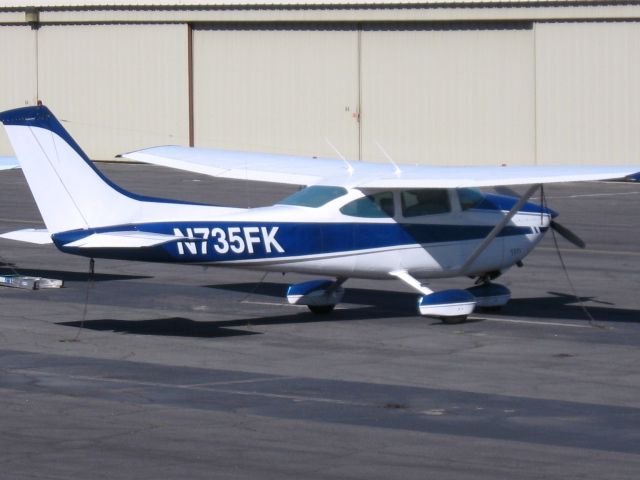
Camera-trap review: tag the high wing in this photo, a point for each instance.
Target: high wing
(312, 170)
(242, 165)
(459, 177)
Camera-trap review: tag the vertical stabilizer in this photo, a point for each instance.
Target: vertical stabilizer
(69, 191)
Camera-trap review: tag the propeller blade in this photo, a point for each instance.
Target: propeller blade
(568, 234)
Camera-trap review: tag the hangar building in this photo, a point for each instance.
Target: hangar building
(442, 82)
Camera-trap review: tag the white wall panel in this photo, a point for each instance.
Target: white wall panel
(17, 73)
(118, 87)
(448, 97)
(588, 93)
(277, 90)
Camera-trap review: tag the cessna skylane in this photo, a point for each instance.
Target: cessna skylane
(414, 223)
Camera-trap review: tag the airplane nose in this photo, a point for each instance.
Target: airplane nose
(550, 211)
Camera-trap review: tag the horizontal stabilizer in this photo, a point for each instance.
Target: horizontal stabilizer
(40, 236)
(130, 239)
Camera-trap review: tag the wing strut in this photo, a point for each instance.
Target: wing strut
(496, 230)
(411, 281)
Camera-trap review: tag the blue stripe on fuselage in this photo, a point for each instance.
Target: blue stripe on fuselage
(276, 240)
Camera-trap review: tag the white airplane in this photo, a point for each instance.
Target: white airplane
(361, 220)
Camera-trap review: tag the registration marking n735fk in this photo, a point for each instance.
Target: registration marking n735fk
(228, 239)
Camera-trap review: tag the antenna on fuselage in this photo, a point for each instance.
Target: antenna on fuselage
(333, 147)
(397, 170)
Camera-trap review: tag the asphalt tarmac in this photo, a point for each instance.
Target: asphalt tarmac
(161, 372)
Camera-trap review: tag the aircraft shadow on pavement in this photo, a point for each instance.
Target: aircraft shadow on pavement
(170, 327)
(402, 302)
(185, 327)
(557, 306)
(568, 307)
(67, 276)
(376, 305)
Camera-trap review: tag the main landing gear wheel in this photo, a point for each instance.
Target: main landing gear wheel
(320, 296)
(321, 309)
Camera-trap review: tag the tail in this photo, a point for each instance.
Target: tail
(70, 192)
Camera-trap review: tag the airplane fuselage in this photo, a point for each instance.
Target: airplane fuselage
(323, 240)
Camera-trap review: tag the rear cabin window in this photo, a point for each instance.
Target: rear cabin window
(314, 196)
(425, 202)
(378, 205)
(469, 198)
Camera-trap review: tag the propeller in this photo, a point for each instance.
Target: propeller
(567, 234)
(560, 229)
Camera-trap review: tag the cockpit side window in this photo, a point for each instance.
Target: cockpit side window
(425, 202)
(314, 196)
(377, 205)
(469, 198)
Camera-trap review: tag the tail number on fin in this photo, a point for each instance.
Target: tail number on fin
(230, 239)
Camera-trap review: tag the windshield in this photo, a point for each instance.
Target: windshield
(314, 196)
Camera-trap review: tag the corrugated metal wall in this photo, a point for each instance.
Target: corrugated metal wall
(17, 73)
(120, 87)
(453, 95)
(449, 96)
(588, 92)
(276, 90)
(446, 96)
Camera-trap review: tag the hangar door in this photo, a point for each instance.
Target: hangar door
(118, 87)
(588, 92)
(18, 73)
(449, 95)
(276, 89)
